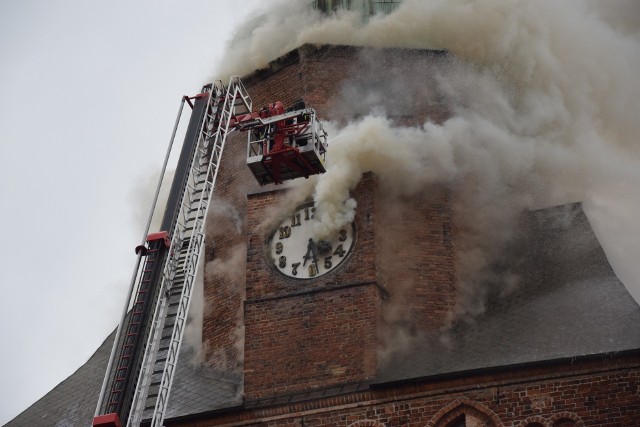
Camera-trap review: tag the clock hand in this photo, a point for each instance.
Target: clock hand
(312, 253)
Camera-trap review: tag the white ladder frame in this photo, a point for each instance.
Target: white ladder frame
(192, 228)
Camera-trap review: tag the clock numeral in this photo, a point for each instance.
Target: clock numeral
(313, 270)
(294, 269)
(282, 261)
(308, 213)
(327, 263)
(343, 235)
(285, 232)
(324, 247)
(279, 248)
(339, 251)
(295, 220)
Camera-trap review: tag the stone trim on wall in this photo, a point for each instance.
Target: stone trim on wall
(463, 405)
(534, 421)
(367, 423)
(555, 420)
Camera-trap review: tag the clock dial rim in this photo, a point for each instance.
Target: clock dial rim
(272, 259)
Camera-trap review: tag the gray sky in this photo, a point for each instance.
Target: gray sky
(90, 90)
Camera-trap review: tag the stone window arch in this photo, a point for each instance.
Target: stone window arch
(464, 412)
(367, 423)
(535, 421)
(566, 419)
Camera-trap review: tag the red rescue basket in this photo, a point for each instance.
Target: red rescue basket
(286, 146)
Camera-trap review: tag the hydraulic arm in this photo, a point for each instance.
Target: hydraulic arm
(282, 144)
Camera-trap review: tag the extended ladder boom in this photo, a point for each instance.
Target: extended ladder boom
(165, 283)
(282, 145)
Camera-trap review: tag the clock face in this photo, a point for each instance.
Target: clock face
(295, 253)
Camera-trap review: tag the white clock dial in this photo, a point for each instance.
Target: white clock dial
(297, 254)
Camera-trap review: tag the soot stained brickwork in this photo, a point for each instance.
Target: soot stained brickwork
(312, 350)
(325, 77)
(416, 259)
(562, 351)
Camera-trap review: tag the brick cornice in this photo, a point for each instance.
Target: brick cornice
(327, 288)
(254, 412)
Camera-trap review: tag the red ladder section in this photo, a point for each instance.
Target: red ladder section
(158, 243)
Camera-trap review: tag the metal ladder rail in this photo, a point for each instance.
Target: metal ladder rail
(152, 348)
(137, 275)
(236, 97)
(186, 214)
(191, 262)
(134, 329)
(175, 258)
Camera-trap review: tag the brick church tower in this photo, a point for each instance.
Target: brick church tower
(310, 333)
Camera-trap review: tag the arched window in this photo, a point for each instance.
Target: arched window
(535, 421)
(458, 422)
(464, 412)
(566, 419)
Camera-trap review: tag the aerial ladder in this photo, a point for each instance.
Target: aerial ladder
(282, 144)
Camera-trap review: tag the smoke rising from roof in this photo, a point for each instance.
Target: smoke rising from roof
(544, 106)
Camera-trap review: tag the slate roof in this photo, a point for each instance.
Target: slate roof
(569, 303)
(202, 389)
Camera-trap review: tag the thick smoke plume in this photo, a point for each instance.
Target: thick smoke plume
(544, 101)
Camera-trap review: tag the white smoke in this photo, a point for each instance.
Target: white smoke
(225, 271)
(545, 100)
(193, 329)
(228, 272)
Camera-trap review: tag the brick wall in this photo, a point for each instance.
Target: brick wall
(416, 259)
(313, 333)
(225, 258)
(589, 393)
(310, 341)
(330, 79)
(223, 318)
